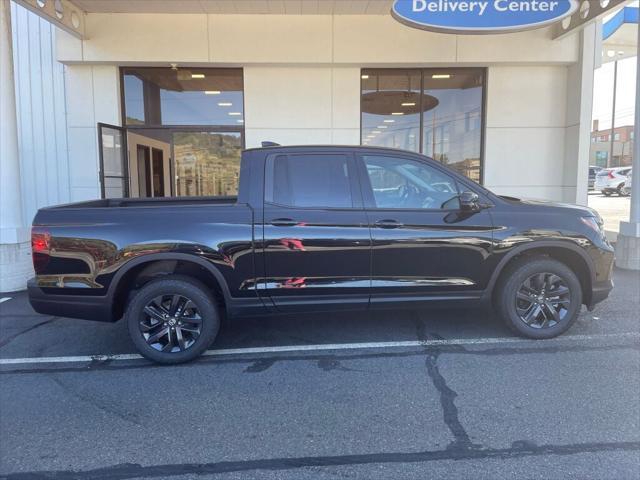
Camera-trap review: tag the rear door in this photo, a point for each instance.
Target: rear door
(317, 245)
(423, 245)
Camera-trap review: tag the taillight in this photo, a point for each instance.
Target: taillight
(40, 248)
(611, 174)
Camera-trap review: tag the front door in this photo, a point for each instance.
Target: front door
(316, 237)
(423, 245)
(149, 158)
(114, 172)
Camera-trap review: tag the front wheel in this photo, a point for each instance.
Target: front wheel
(539, 298)
(622, 192)
(172, 319)
(606, 193)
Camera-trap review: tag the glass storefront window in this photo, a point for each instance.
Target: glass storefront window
(184, 96)
(437, 112)
(391, 108)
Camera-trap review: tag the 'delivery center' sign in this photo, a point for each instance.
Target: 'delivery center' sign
(481, 16)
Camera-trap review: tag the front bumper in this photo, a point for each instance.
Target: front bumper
(600, 293)
(86, 307)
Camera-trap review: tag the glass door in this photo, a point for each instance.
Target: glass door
(114, 172)
(206, 162)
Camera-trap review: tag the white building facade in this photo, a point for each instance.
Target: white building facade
(158, 98)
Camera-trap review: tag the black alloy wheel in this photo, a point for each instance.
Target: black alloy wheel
(543, 300)
(538, 297)
(171, 323)
(172, 319)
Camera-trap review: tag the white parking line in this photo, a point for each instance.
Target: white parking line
(5, 299)
(327, 347)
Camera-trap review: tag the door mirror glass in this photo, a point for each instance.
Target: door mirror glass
(469, 201)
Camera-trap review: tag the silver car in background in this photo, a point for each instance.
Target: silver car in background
(612, 180)
(626, 189)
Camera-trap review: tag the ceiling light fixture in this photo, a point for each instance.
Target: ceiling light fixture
(397, 113)
(235, 113)
(441, 76)
(212, 92)
(240, 120)
(408, 104)
(381, 126)
(225, 104)
(376, 131)
(364, 77)
(388, 121)
(197, 75)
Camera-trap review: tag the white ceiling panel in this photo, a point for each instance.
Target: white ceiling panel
(261, 7)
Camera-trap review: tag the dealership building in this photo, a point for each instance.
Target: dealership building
(149, 98)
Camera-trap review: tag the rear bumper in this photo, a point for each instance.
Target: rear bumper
(86, 307)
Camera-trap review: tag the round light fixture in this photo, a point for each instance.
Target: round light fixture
(584, 9)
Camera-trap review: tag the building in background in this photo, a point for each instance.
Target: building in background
(601, 146)
(143, 98)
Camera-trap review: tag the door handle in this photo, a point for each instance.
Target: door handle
(387, 223)
(283, 222)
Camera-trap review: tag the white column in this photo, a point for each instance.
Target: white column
(10, 198)
(628, 247)
(15, 264)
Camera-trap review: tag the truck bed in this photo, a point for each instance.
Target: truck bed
(147, 202)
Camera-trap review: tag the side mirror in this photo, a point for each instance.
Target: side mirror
(469, 202)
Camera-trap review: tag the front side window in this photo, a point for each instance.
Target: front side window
(308, 181)
(408, 184)
(437, 112)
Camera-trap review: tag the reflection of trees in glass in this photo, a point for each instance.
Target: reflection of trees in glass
(207, 163)
(134, 121)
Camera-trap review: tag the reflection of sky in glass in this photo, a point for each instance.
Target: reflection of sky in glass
(198, 108)
(184, 107)
(134, 99)
(452, 129)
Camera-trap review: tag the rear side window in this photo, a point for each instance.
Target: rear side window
(314, 180)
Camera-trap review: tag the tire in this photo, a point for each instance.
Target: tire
(183, 308)
(523, 280)
(606, 193)
(621, 191)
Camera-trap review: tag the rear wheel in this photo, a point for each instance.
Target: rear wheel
(539, 298)
(606, 193)
(621, 190)
(172, 319)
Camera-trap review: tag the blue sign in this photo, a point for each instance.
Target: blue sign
(481, 16)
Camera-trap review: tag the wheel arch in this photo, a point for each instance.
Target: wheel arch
(141, 270)
(567, 253)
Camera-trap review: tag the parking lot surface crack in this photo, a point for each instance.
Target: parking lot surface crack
(447, 394)
(11, 338)
(99, 403)
(130, 470)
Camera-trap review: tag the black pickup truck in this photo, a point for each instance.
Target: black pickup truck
(317, 227)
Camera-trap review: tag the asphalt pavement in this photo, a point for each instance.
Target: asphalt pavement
(415, 395)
